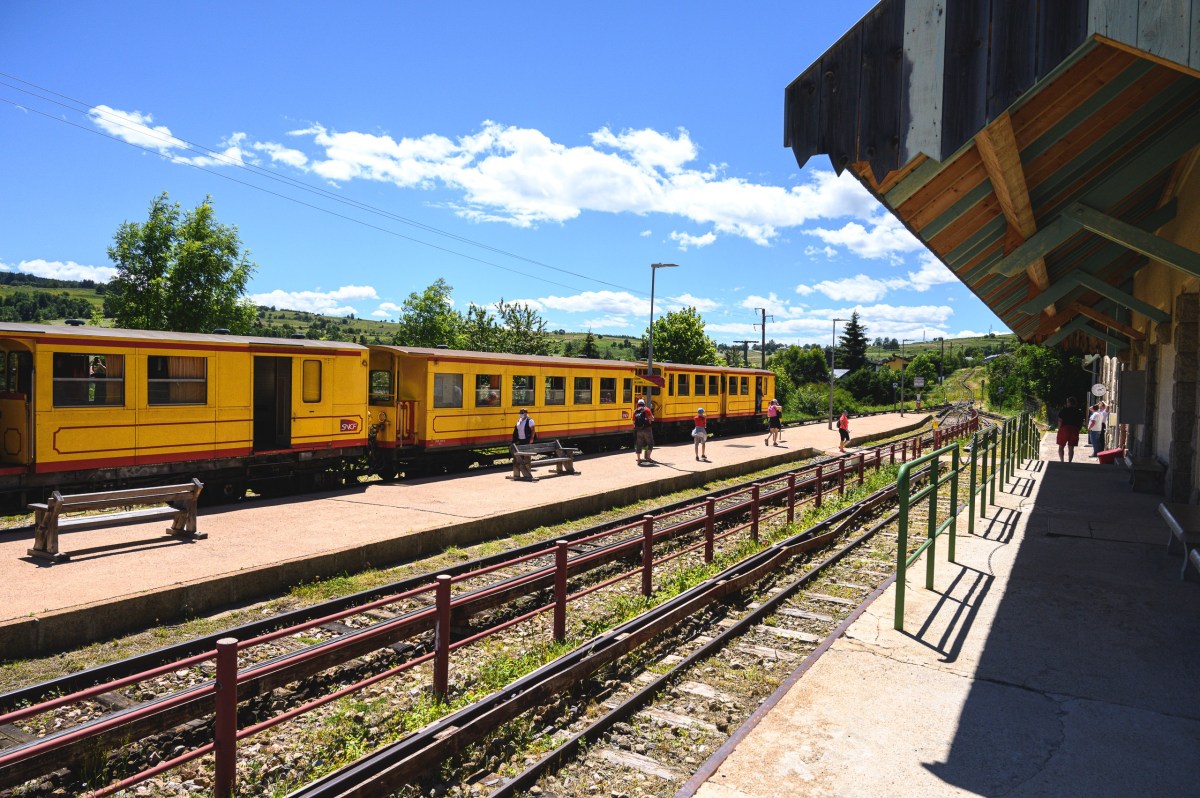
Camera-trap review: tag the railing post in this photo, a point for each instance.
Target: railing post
(878, 460)
(754, 511)
(842, 477)
(971, 496)
(932, 523)
(710, 515)
(441, 638)
(951, 552)
(820, 487)
(791, 498)
(225, 737)
(893, 452)
(861, 466)
(560, 590)
(647, 555)
(995, 456)
(901, 545)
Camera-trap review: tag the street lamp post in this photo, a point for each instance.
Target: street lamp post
(832, 363)
(654, 267)
(903, 341)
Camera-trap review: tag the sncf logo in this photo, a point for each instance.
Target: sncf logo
(349, 425)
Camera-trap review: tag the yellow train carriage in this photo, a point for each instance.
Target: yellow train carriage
(89, 404)
(729, 394)
(443, 399)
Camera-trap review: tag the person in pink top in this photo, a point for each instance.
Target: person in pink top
(700, 433)
(774, 422)
(843, 431)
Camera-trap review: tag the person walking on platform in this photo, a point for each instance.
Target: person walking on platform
(843, 431)
(1070, 419)
(700, 433)
(524, 432)
(643, 433)
(774, 422)
(1096, 430)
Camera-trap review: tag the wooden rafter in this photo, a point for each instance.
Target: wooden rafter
(997, 145)
(1108, 321)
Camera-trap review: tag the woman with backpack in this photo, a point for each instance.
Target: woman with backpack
(643, 434)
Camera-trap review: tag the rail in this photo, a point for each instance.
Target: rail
(744, 511)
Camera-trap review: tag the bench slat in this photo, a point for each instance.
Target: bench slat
(112, 519)
(103, 504)
(129, 493)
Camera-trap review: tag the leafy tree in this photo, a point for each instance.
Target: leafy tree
(679, 338)
(923, 365)
(852, 345)
(480, 332)
(524, 330)
(1031, 371)
(801, 365)
(179, 271)
(428, 319)
(589, 346)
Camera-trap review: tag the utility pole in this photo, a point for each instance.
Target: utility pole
(763, 327)
(745, 351)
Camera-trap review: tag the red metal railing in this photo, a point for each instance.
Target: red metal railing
(761, 502)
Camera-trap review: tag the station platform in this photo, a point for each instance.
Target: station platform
(126, 578)
(1059, 656)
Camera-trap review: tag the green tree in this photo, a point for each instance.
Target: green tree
(679, 338)
(524, 329)
(480, 332)
(428, 319)
(852, 345)
(589, 346)
(179, 271)
(801, 365)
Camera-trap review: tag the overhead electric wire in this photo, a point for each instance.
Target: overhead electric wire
(147, 132)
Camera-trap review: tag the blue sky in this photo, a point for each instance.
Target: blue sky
(548, 155)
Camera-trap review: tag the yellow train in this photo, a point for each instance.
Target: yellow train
(90, 406)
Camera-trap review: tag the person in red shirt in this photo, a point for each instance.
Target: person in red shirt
(843, 431)
(700, 433)
(643, 434)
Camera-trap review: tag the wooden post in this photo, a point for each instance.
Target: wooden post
(754, 512)
(225, 736)
(842, 477)
(820, 486)
(791, 498)
(710, 515)
(560, 590)
(861, 466)
(647, 555)
(441, 639)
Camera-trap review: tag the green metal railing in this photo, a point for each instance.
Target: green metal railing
(1006, 445)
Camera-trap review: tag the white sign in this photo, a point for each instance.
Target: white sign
(1098, 389)
(918, 382)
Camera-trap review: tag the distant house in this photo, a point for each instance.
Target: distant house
(896, 363)
(839, 373)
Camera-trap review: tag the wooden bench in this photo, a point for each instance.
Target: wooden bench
(535, 455)
(180, 501)
(1146, 474)
(1184, 523)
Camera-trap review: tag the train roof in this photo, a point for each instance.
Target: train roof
(61, 332)
(550, 360)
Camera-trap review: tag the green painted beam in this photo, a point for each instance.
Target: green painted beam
(1081, 325)
(1038, 245)
(1120, 297)
(1134, 238)
(1051, 295)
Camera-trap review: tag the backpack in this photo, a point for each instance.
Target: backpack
(639, 418)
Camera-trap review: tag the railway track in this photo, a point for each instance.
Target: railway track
(389, 631)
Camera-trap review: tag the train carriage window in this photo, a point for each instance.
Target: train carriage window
(627, 390)
(19, 374)
(310, 386)
(713, 388)
(447, 390)
(583, 390)
(380, 381)
(608, 390)
(556, 390)
(522, 391)
(175, 380)
(699, 385)
(685, 381)
(670, 386)
(487, 390)
(88, 380)
(745, 386)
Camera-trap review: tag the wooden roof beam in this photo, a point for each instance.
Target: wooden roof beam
(997, 145)
(1134, 238)
(1129, 332)
(1081, 325)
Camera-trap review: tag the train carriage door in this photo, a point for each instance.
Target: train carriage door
(16, 396)
(724, 397)
(272, 402)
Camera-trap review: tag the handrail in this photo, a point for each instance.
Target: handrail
(906, 499)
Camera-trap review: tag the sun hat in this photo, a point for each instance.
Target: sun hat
(641, 401)
(700, 410)
(524, 411)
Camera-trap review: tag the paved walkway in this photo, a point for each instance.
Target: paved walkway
(128, 577)
(1059, 657)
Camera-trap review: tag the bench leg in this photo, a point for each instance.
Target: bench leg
(45, 538)
(184, 524)
(521, 468)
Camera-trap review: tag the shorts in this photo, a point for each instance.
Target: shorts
(1067, 435)
(844, 433)
(773, 423)
(643, 438)
(700, 434)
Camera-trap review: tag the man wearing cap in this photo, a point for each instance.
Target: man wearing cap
(643, 434)
(700, 433)
(523, 433)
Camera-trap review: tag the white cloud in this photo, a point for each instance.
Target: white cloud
(613, 303)
(645, 234)
(859, 288)
(687, 240)
(931, 272)
(701, 304)
(282, 154)
(887, 238)
(330, 303)
(388, 310)
(610, 322)
(135, 128)
(58, 270)
(828, 251)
